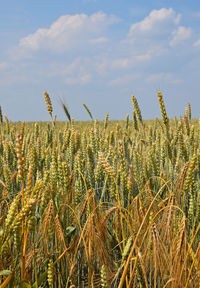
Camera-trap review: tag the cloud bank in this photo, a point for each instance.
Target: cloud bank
(80, 49)
(69, 31)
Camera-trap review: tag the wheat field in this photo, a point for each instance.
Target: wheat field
(100, 204)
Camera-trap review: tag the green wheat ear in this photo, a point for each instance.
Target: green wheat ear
(135, 121)
(88, 110)
(189, 111)
(162, 108)
(106, 121)
(66, 111)
(103, 277)
(1, 115)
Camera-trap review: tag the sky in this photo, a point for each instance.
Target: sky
(99, 52)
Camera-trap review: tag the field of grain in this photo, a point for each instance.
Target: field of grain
(100, 204)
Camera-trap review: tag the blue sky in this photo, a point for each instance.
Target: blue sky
(99, 52)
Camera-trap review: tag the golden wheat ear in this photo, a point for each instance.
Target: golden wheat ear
(48, 103)
(137, 108)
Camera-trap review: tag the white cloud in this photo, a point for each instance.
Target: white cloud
(63, 69)
(81, 80)
(125, 79)
(99, 40)
(128, 62)
(121, 63)
(101, 64)
(80, 71)
(151, 36)
(155, 35)
(157, 22)
(67, 32)
(158, 78)
(4, 65)
(90, 53)
(197, 43)
(180, 34)
(106, 64)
